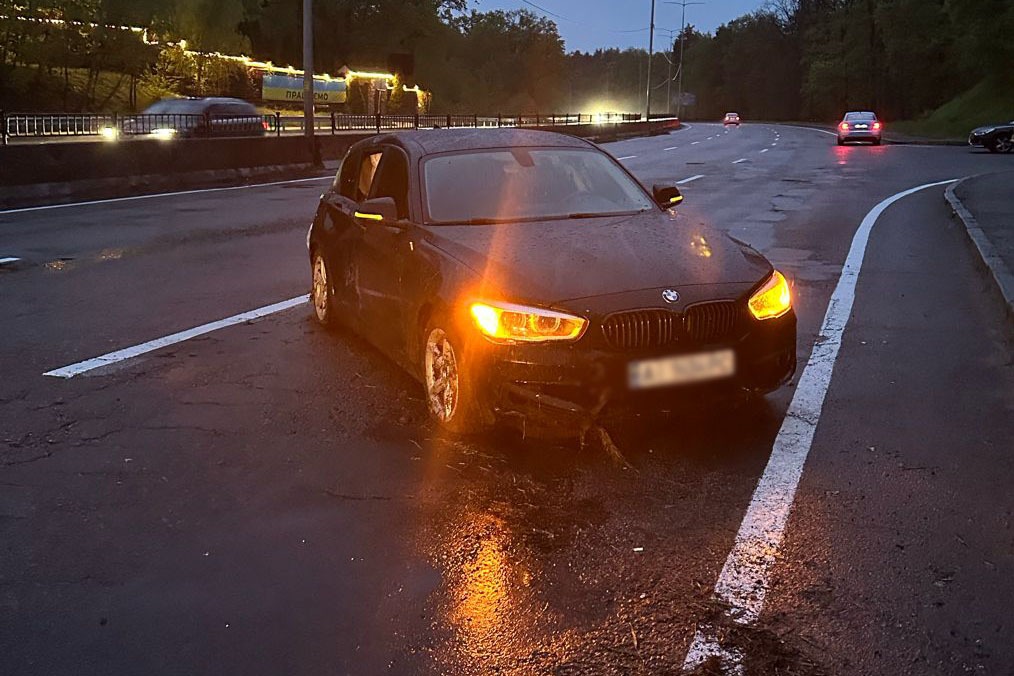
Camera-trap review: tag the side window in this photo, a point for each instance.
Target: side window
(392, 181)
(367, 169)
(348, 175)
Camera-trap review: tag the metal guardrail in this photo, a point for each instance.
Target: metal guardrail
(44, 125)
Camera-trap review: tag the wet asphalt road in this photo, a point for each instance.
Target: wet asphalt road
(270, 498)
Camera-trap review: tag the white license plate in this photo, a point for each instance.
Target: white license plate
(861, 126)
(681, 369)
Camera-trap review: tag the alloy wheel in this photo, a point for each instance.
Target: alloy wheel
(320, 289)
(442, 376)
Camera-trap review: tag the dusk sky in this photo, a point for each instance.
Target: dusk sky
(590, 24)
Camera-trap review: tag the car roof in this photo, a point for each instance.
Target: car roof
(427, 142)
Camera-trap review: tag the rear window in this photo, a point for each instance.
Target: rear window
(860, 116)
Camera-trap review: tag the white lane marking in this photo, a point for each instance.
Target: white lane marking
(774, 144)
(742, 159)
(743, 583)
(709, 138)
(671, 148)
(164, 194)
(765, 150)
(693, 143)
(822, 131)
(8, 260)
(137, 350)
(626, 157)
(690, 180)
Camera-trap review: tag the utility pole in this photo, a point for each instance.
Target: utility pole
(308, 80)
(651, 48)
(683, 30)
(668, 79)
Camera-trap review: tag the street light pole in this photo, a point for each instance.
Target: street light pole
(651, 48)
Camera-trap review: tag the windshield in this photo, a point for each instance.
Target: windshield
(175, 106)
(501, 185)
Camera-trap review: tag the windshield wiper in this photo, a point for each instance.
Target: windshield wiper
(598, 214)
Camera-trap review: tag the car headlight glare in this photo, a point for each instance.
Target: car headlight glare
(773, 299)
(508, 323)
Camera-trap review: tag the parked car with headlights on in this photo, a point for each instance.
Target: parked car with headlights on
(528, 277)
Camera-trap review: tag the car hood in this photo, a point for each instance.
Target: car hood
(551, 262)
(990, 127)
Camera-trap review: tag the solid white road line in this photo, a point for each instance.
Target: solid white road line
(137, 350)
(742, 159)
(8, 260)
(164, 194)
(671, 148)
(627, 157)
(743, 583)
(822, 131)
(690, 180)
(765, 150)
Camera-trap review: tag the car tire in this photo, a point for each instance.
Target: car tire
(322, 291)
(1001, 144)
(452, 398)
(841, 141)
(876, 142)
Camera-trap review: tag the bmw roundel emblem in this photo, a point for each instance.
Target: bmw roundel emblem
(670, 295)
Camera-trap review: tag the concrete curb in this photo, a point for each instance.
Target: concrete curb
(12, 197)
(990, 259)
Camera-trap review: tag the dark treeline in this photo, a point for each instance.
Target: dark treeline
(812, 59)
(794, 59)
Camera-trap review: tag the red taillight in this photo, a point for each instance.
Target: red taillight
(264, 123)
(844, 126)
(876, 125)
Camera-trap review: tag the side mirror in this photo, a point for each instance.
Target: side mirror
(666, 196)
(381, 209)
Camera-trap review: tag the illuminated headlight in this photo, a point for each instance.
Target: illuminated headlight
(773, 299)
(164, 133)
(509, 323)
(109, 133)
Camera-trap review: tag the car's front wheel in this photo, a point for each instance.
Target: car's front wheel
(451, 395)
(321, 291)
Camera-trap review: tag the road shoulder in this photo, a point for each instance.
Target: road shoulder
(982, 204)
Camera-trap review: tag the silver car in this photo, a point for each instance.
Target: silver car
(859, 126)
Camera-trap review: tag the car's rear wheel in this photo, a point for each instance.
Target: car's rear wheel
(841, 141)
(451, 395)
(1001, 144)
(876, 142)
(321, 292)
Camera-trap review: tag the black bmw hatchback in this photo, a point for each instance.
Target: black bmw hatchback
(528, 276)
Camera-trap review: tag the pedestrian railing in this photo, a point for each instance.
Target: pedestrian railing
(166, 126)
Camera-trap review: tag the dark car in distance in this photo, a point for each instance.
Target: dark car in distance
(197, 118)
(860, 126)
(528, 277)
(996, 138)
